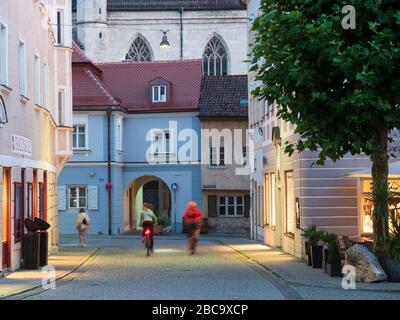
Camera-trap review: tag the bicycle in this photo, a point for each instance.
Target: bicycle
(147, 242)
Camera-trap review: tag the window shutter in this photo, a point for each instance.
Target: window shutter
(247, 206)
(62, 198)
(93, 198)
(212, 206)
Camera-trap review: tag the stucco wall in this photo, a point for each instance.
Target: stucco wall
(227, 177)
(198, 28)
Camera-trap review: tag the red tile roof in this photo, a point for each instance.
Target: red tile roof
(126, 85)
(78, 56)
(89, 91)
(130, 83)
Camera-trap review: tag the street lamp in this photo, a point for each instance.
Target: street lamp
(164, 42)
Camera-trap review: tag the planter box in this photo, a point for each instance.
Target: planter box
(334, 270)
(316, 256)
(392, 269)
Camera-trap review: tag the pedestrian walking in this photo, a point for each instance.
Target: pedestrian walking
(82, 225)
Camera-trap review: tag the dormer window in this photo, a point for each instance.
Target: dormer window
(159, 93)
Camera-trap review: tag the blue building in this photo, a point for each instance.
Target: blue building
(135, 140)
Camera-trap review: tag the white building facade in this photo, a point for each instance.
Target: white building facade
(112, 31)
(290, 193)
(35, 117)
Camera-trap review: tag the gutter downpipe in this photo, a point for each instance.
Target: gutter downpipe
(181, 9)
(109, 170)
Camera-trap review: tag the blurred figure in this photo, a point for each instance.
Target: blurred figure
(193, 221)
(147, 220)
(82, 225)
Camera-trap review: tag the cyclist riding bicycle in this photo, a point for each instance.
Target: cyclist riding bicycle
(193, 220)
(148, 220)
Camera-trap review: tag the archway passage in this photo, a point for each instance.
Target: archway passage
(150, 189)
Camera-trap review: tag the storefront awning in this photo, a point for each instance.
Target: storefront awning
(394, 172)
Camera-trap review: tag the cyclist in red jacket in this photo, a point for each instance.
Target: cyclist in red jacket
(193, 220)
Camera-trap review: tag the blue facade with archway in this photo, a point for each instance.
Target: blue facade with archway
(83, 181)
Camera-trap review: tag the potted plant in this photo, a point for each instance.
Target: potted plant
(391, 264)
(313, 237)
(163, 222)
(327, 238)
(334, 262)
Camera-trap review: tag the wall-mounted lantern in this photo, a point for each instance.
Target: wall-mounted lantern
(164, 42)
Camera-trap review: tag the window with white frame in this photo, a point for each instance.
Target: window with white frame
(60, 107)
(79, 137)
(77, 197)
(37, 79)
(290, 203)
(45, 85)
(229, 206)
(60, 22)
(22, 68)
(163, 142)
(118, 134)
(244, 155)
(159, 93)
(217, 156)
(3, 54)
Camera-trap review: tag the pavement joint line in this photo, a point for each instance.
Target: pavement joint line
(33, 288)
(308, 284)
(287, 291)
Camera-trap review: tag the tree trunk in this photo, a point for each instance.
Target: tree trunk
(380, 170)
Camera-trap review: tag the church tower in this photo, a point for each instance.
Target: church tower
(91, 25)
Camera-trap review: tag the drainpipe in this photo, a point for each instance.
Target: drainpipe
(109, 169)
(181, 9)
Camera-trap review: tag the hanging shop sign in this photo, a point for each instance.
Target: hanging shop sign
(21, 145)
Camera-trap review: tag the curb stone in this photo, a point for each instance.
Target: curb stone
(34, 287)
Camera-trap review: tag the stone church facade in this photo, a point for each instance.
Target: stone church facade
(119, 30)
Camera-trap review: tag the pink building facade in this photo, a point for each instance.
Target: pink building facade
(35, 117)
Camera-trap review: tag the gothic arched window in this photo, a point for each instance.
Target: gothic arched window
(215, 58)
(139, 51)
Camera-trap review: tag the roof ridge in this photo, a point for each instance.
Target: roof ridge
(101, 86)
(80, 52)
(147, 62)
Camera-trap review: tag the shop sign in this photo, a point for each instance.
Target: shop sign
(21, 145)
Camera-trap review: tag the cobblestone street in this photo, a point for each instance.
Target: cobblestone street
(120, 270)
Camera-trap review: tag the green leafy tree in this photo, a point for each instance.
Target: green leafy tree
(340, 87)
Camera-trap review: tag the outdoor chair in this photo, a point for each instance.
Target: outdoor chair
(347, 242)
(341, 246)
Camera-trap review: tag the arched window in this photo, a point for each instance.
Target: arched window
(215, 58)
(139, 51)
(3, 113)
